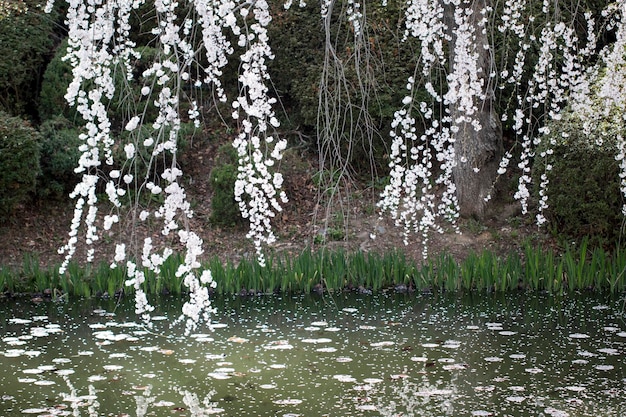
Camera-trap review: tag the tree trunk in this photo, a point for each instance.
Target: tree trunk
(477, 152)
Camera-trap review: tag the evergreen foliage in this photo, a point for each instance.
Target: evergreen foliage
(584, 197)
(59, 157)
(19, 162)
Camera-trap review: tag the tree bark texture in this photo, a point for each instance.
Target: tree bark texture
(477, 152)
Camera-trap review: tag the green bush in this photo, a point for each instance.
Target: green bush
(56, 79)
(19, 162)
(25, 41)
(59, 157)
(584, 196)
(224, 208)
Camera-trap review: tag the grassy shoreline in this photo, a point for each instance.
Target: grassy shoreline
(537, 269)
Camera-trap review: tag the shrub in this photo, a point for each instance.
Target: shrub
(224, 208)
(59, 157)
(584, 196)
(19, 162)
(56, 79)
(25, 41)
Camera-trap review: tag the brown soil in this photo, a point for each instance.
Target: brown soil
(40, 229)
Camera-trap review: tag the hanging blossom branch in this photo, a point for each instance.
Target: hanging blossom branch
(410, 197)
(257, 189)
(99, 40)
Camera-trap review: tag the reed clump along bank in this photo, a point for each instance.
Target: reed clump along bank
(325, 271)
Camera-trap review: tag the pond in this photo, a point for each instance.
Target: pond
(339, 355)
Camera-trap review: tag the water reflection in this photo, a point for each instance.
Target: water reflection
(384, 355)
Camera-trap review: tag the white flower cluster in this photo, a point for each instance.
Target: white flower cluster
(257, 189)
(410, 197)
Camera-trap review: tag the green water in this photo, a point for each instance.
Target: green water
(347, 355)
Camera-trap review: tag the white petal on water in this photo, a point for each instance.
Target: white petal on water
(332, 329)
(609, 351)
(367, 327)
(575, 388)
(493, 359)
(455, 366)
(517, 388)
(61, 360)
(44, 383)
(16, 343)
(451, 344)
(287, 402)
(218, 375)
(419, 359)
(622, 334)
(96, 378)
(26, 380)
(343, 359)
(316, 341)
(158, 318)
(445, 360)
(268, 386)
(344, 378)
(225, 370)
(472, 327)
(279, 345)
(212, 356)
(40, 318)
(278, 366)
(35, 411)
(32, 353)
(366, 407)
(149, 348)
(611, 329)
(604, 367)
(319, 324)
(430, 345)
(19, 321)
(218, 325)
(349, 310)
(85, 353)
(481, 413)
(580, 361)
(384, 343)
(186, 361)
(311, 328)
(372, 380)
(517, 356)
(534, 370)
(507, 333)
(164, 404)
(113, 367)
(237, 339)
(364, 387)
(586, 354)
(14, 353)
(65, 372)
(600, 307)
(10, 339)
(33, 371)
(118, 355)
(326, 349)
(515, 399)
(578, 336)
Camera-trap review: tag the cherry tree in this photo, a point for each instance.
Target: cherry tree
(440, 172)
